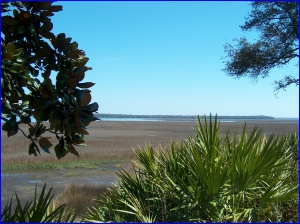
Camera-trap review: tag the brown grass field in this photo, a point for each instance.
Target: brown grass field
(110, 147)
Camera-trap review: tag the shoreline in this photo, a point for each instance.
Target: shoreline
(290, 120)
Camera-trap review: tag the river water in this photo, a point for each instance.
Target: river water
(24, 183)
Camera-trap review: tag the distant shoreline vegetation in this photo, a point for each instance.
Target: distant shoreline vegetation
(183, 117)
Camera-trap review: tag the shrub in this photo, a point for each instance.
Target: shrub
(40, 210)
(207, 179)
(292, 141)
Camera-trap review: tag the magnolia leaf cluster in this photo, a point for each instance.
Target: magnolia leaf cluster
(42, 78)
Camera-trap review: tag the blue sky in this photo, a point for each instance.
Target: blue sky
(165, 58)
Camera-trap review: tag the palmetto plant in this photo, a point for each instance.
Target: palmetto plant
(42, 209)
(206, 178)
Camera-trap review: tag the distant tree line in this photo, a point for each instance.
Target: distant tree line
(179, 117)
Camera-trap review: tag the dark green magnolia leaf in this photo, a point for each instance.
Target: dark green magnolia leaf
(12, 71)
(25, 15)
(21, 30)
(5, 10)
(46, 74)
(18, 52)
(13, 131)
(45, 115)
(45, 144)
(9, 55)
(17, 4)
(46, 34)
(72, 150)
(61, 36)
(72, 54)
(51, 115)
(74, 46)
(32, 149)
(86, 85)
(47, 26)
(25, 119)
(54, 123)
(77, 137)
(68, 40)
(61, 47)
(78, 141)
(10, 126)
(60, 151)
(86, 99)
(4, 7)
(71, 82)
(48, 84)
(19, 67)
(39, 55)
(10, 48)
(25, 104)
(61, 81)
(16, 13)
(91, 108)
(84, 60)
(6, 112)
(41, 130)
(87, 118)
(47, 13)
(54, 42)
(79, 76)
(68, 128)
(37, 117)
(77, 120)
(45, 5)
(35, 73)
(66, 99)
(79, 94)
(55, 8)
(37, 148)
(45, 149)
(19, 92)
(32, 131)
(82, 131)
(8, 20)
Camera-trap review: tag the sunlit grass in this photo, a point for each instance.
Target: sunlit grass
(15, 156)
(15, 164)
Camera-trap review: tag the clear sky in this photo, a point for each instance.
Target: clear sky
(165, 58)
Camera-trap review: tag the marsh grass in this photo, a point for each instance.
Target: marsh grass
(86, 160)
(110, 142)
(80, 197)
(15, 164)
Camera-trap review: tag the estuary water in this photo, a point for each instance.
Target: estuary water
(154, 120)
(131, 119)
(119, 119)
